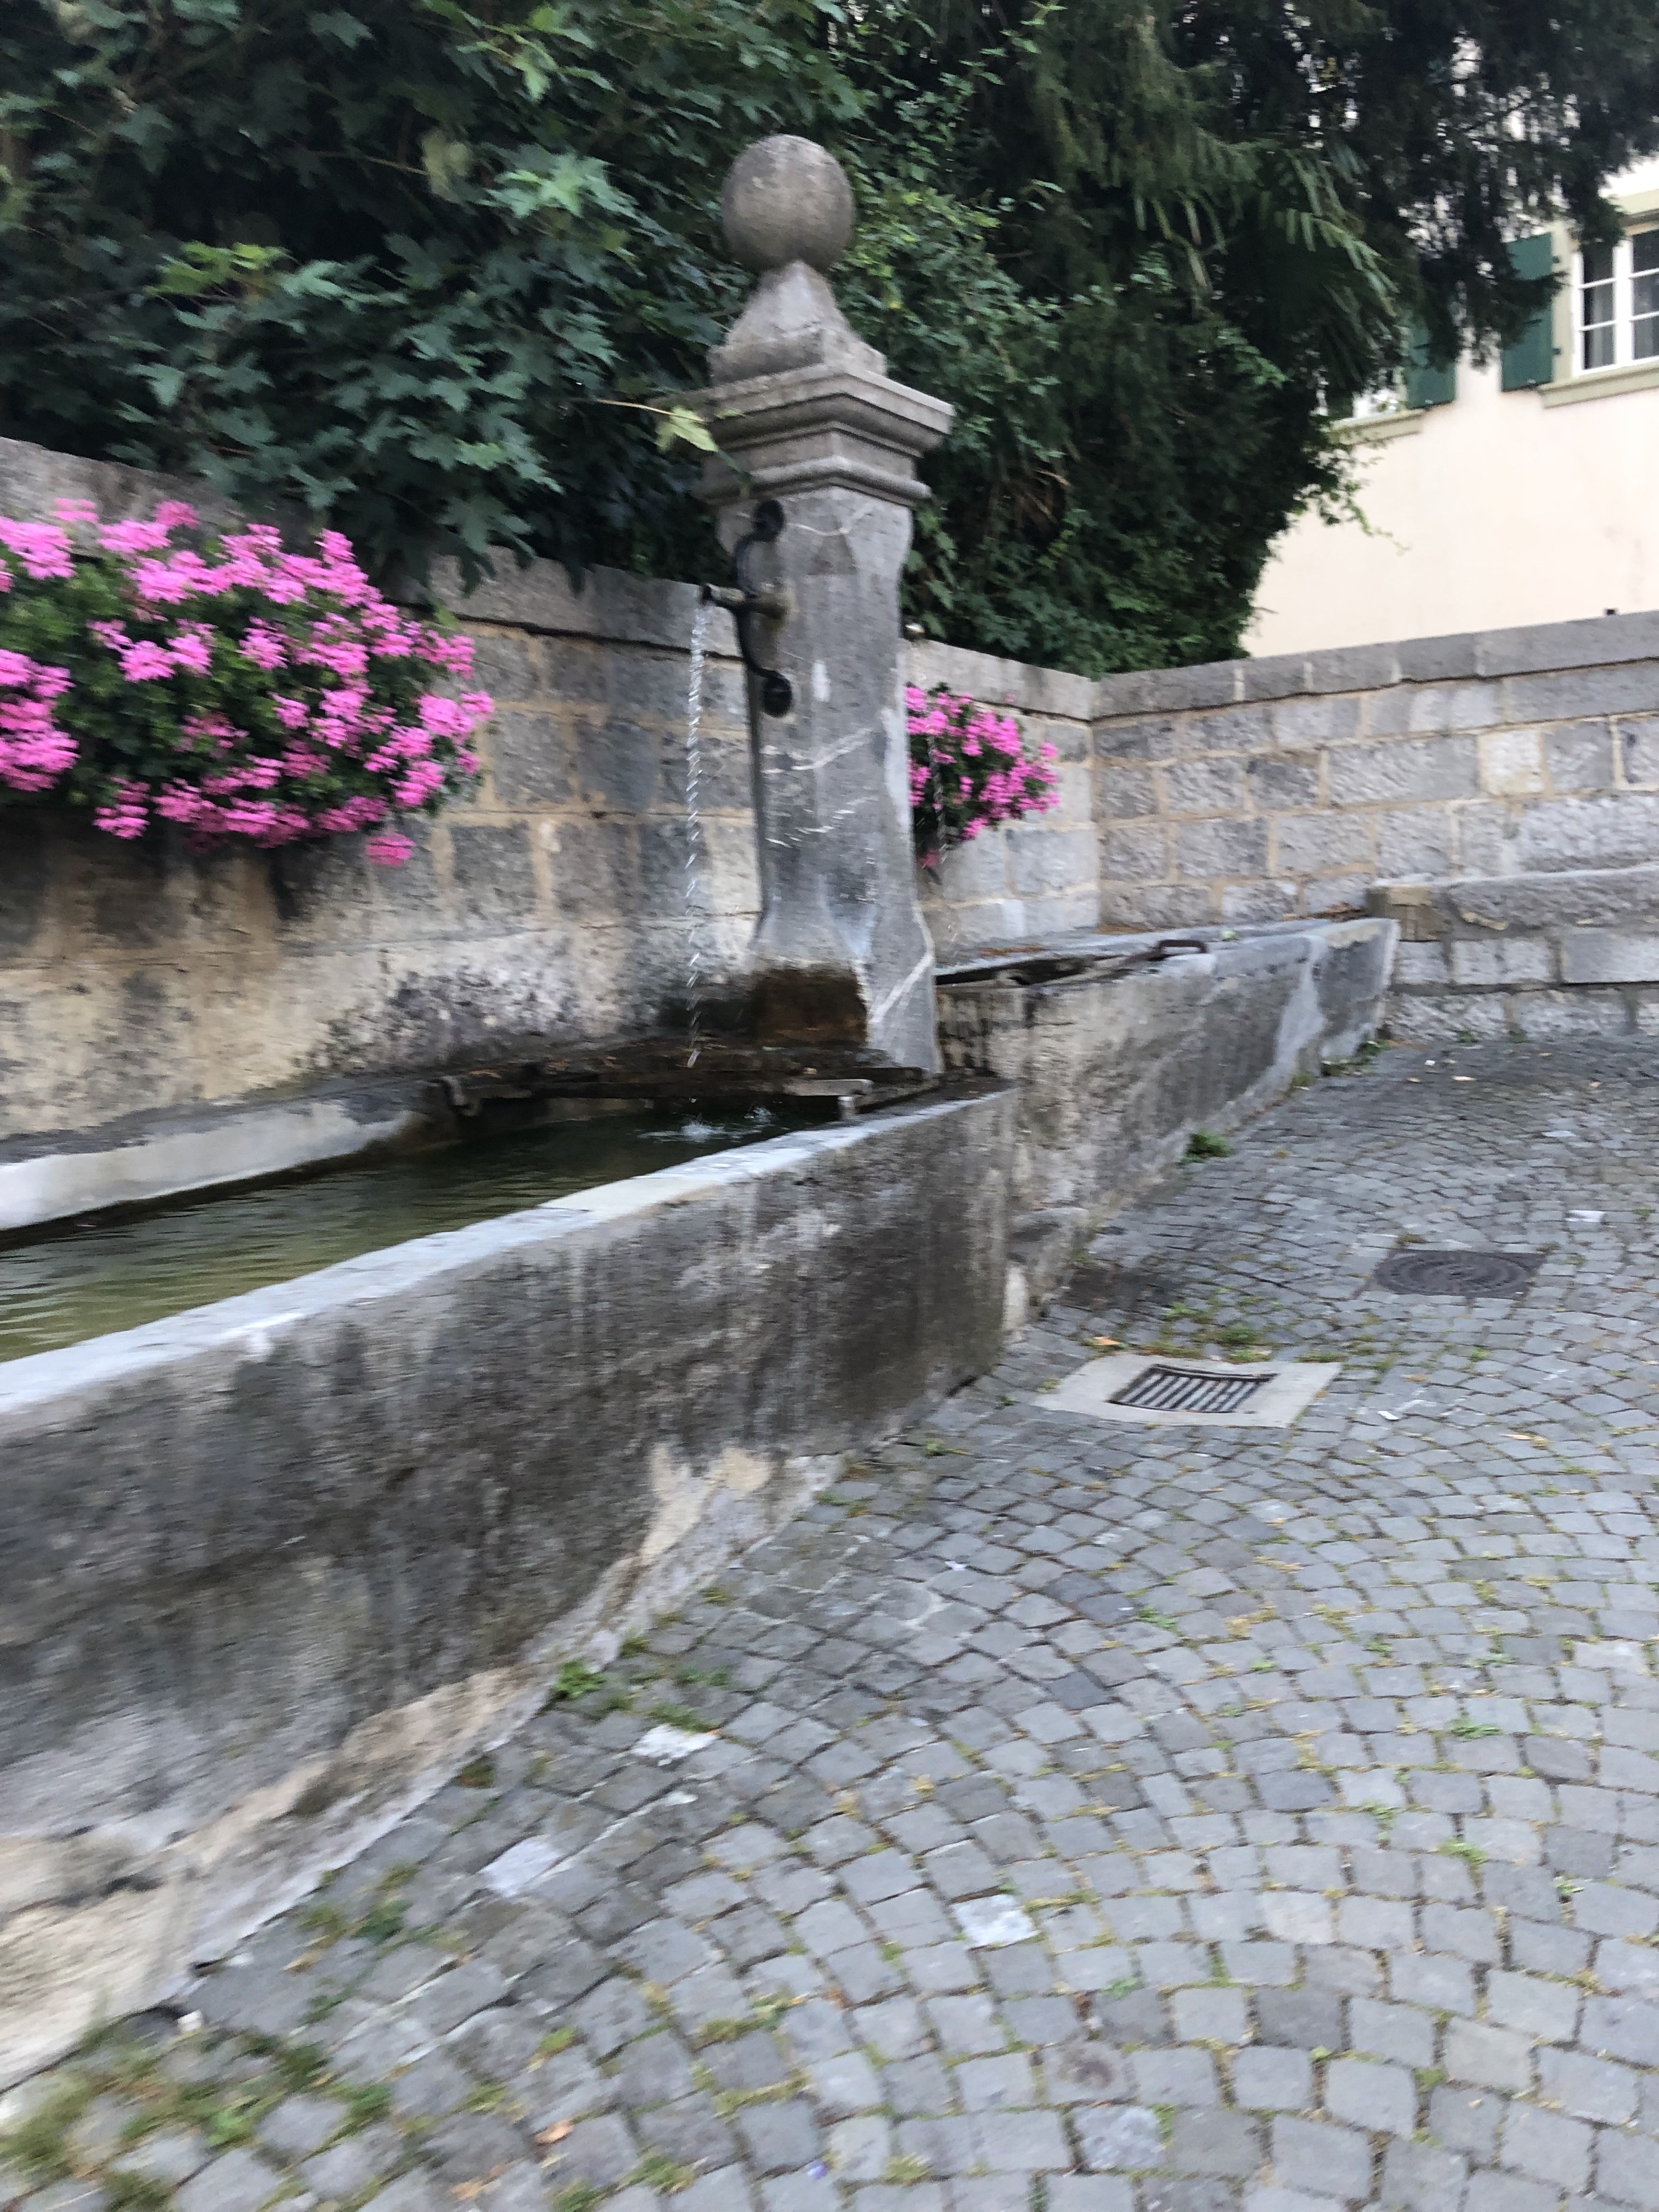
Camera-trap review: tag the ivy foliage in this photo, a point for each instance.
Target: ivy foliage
(444, 270)
(423, 266)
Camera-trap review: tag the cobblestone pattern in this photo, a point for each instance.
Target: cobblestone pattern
(1092, 1819)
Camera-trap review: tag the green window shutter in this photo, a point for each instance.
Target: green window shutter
(1531, 360)
(1427, 385)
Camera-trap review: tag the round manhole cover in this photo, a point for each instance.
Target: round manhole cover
(1421, 1273)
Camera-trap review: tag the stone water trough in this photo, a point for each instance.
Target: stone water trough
(275, 1567)
(1119, 1047)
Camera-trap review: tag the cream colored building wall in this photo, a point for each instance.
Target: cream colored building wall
(1502, 508)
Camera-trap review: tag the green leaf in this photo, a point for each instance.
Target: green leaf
(348, 31)
(683, 426)
(447, 161)
(1132, 245)
(201, 269)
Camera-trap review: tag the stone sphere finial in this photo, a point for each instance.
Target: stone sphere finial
(786, 199)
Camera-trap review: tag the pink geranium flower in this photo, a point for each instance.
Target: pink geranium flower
(126, 814)
(969, 770)
(278, 695)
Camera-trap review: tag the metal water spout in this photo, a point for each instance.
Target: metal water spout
(753, 603)
(814, 482)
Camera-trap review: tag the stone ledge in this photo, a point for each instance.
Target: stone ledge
(1015, 684)
(1600, 383)
(1577, 898)
(1527, 955)
(1531, 649)
(33, 480)
(1441, 1017)
(612, 607)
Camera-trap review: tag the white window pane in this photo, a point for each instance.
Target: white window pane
(1598, 302)
(1647, 338)
(1380, 399)
(1644, 250)
(1598, 347)
(1597, 308)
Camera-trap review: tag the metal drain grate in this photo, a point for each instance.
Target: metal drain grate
(1420, 1272)
(1178, 1390)
(1128, 1386)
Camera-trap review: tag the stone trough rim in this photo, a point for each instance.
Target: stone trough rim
(254, 1318)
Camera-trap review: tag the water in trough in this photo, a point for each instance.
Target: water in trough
(104, 1272)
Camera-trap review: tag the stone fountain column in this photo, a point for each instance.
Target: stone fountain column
(805, 415)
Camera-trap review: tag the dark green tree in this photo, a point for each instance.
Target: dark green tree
(1139, 245)
(437, 268)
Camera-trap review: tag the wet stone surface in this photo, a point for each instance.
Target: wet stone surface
(1093, 1818)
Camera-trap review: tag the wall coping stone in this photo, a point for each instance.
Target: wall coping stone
(612, 607)
(33, 480)
(1601, 641)
(1015, 684)
(1540, 901)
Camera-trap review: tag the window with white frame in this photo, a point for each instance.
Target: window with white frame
(1388, 399)
(1616, 303)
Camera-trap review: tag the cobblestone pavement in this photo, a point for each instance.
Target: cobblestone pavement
(1092, 1818)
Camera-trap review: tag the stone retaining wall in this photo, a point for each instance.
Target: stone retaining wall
(1497, 795)
(141, 981)
(134, 983)
(1248, 790)
(1572, 954)
(1252, 791)
(1035, 880)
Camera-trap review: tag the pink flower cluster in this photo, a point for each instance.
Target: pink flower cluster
(970, 769)
(42, 548)
(333, 731)
(33, 751)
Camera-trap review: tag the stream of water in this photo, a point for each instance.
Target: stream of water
(694, 900)
(113, 1272)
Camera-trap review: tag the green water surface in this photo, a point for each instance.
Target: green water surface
(105, 1273)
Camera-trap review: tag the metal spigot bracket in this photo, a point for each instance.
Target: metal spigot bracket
(751, 602)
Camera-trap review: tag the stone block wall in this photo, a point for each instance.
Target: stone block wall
(1250, 790)
(552, 903)
(1570, 953)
